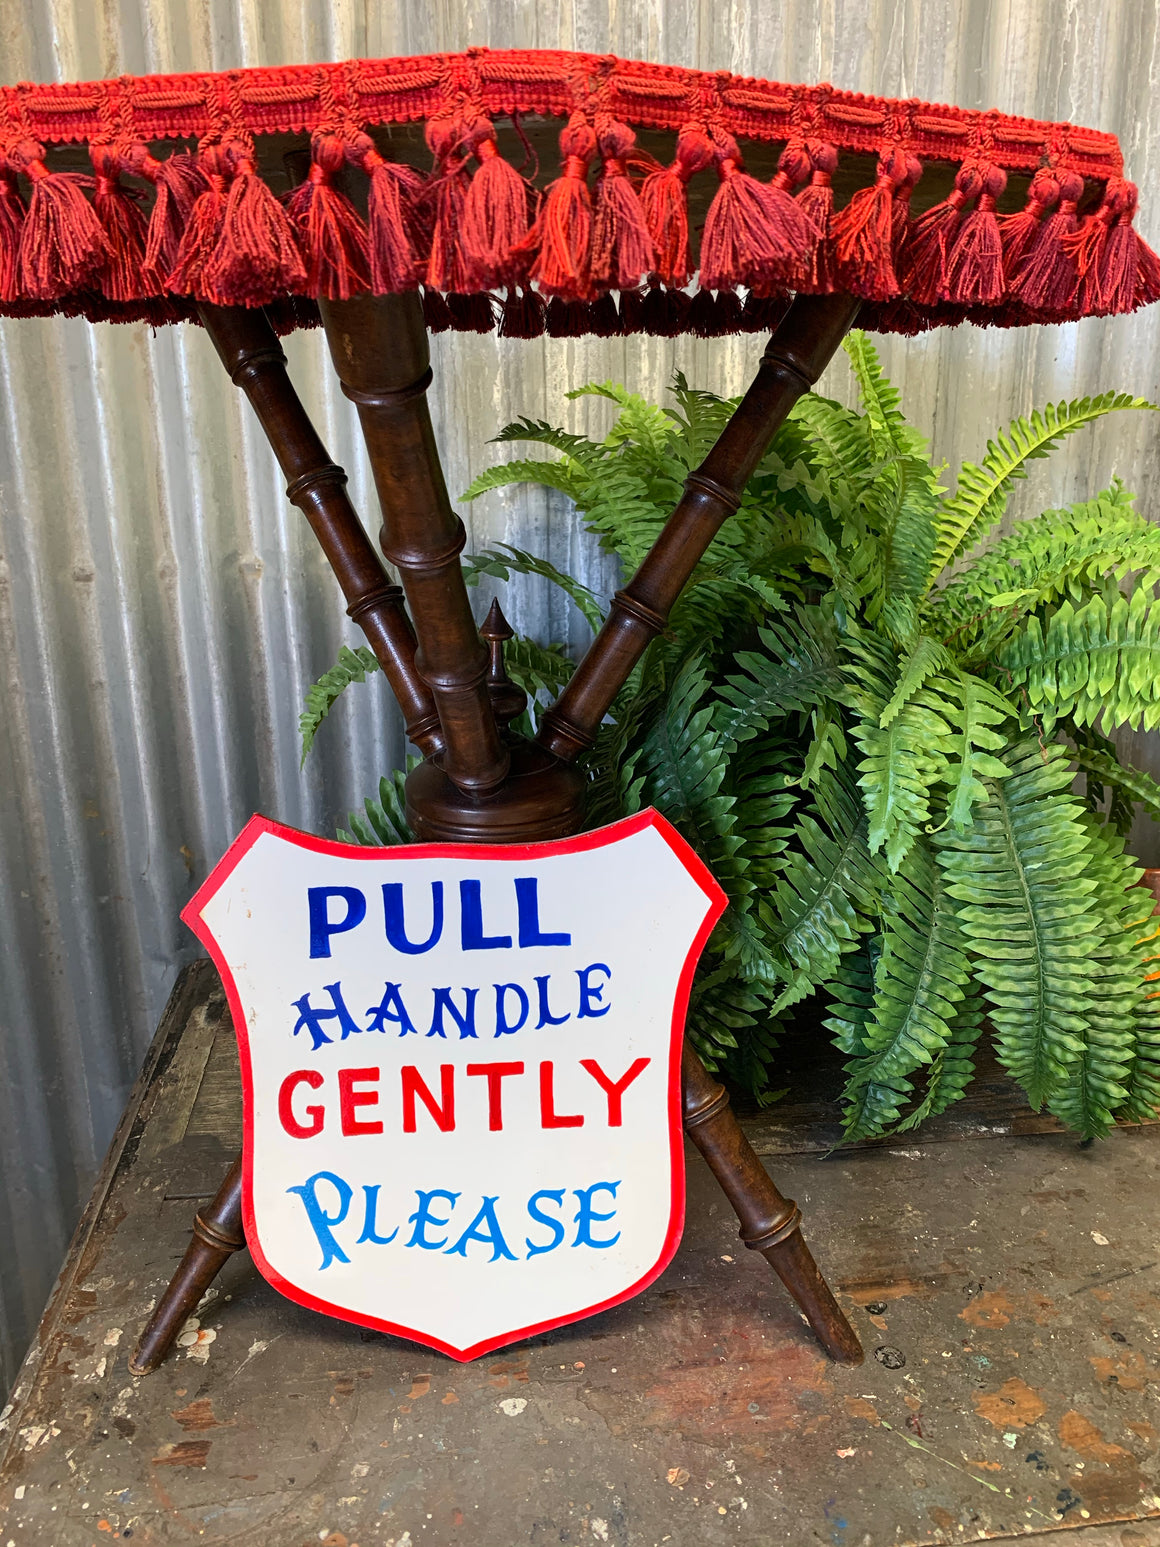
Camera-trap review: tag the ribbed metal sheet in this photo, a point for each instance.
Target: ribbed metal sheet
(162, 608)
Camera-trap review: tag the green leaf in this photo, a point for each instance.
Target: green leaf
(981, 496)
(321, 696)
(566, 475)
(954, 1067)
(919, 985)
(1019, 876)
(501, 561)
(385, 823)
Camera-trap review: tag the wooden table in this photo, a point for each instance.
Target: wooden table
(1009, 1283)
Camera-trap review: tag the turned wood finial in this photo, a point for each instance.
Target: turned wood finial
(508, 702)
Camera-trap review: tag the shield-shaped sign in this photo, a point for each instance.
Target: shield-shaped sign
(461, 1070)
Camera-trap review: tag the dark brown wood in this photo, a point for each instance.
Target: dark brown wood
(770, 1224)
(251, 353)
(379, 347)
(487, 786)
(217, 1234)
(797, 353)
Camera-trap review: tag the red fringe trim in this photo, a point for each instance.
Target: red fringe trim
(332, 234)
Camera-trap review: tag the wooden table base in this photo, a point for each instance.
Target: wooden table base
(478, 784)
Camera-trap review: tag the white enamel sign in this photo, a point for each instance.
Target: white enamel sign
(461, 1070)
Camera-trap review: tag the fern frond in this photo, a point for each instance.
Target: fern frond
(1098, 663)
(919, 985)
(1107, 769)
(502, 561)
(796, 669)
(954, 1067)
(567, 476)
(351, 666)
(1018, 875)
(828, 885)
(981, 495)
(979, 710)
(385, 823)
(1099, 1083)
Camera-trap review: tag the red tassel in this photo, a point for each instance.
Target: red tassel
(603, 317)
(622, 249)
(566, 319)
(1047, 279)
(755, 233)
(393, 223)
(523, 314)
(798, 232)
(12, 213)
(922, 266)
(448, 268)
(1115, 266)
(331, 232)
(257, 254)
(865, 232)
(122, 275)
(1019, 233)
(817, 201)
(663, 312)
(201, 232)
(632, 311)
(495, 213)
(975, 261)
(663, 197)
(562, 234)
(471, 313)
(62, 245)
(436, 312)
(179, 182)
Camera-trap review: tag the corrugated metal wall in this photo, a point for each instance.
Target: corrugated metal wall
(162, 608)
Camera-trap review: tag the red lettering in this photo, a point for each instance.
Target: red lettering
(286, 1093)
(615, 1090)
(443, 1110)
(494, 1074)
(349, 1099)
(549, 1117)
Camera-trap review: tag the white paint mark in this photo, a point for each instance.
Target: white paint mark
(513, 1406)
(359, 1469)
(1010, 1439)
(1100, 1240)
(599, 1529)
(113, 1337)
(20, 1491)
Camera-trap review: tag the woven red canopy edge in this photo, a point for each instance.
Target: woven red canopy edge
(149, 236)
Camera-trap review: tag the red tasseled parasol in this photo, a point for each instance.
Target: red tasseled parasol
(713, 197)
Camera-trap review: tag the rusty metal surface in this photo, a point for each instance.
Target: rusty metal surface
(1008, 1292)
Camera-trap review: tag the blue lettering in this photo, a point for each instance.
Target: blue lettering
(312, 1019)
(528, 907)
(493, 1236)
(422, 1217)
(546, 1016)
(586, 1214)
(592, 994)
(557, 1196)
(465, 1022)
(471, 908)
(321, 929)
(320, 1221)
(391, 1008)
(370, 1219)
(502, 1026)
(393, 918)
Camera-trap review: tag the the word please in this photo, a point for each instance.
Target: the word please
(358, 1097)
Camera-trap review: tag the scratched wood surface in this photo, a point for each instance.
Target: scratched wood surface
(1007, 1292)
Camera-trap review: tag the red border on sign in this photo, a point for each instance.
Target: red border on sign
(600, 838)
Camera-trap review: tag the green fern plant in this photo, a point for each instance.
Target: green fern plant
(867, 715)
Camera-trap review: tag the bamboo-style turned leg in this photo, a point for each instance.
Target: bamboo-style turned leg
(251, 353)
(796, 355)
(380, 352)
(217, 1234)
(770, 1224)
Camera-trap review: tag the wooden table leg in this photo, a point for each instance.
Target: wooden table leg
(770, 1224)
(217, 1234)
